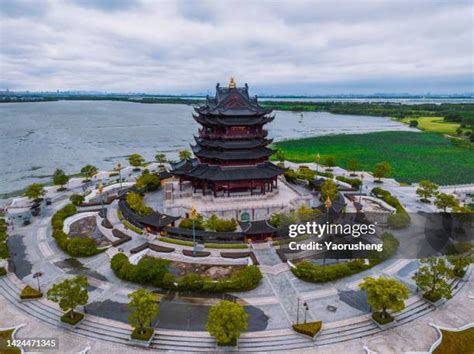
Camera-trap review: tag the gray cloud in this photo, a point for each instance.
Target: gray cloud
(186, 46)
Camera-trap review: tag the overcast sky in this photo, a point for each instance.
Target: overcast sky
(277, 47)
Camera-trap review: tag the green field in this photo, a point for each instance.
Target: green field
(413, 156)
(435, 125)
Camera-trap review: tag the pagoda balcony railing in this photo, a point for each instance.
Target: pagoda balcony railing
(224, 136)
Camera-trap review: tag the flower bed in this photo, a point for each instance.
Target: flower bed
(309, 329)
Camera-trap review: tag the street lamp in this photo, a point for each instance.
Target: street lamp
(306, 309)
(101, 189)
(298, 312)
(37, 275)
(361, 185)
(118, 168)
(328, 204)
(318, 157)
(192, 215)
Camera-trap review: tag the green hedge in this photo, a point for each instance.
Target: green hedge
(30, 293)
(323, 273)
(354, 182)
(400, 219)
(153, 271)
(76, 247)
(3, 240)
(309, 329)
(226, 245)
(132, 227)
(3, 271)
(176, 241)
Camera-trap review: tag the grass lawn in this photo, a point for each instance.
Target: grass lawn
(4, 336)
(456, 342)
(413, 156)
(435, 125)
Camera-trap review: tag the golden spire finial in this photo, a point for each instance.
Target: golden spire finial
(232, 83)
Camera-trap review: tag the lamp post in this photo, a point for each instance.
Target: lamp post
(101, 189)
(298, 312)
(328, 204)
(193, 214)
(361, 186)
(118, 167)
(37, 275)
(318, 157)
(306, 309)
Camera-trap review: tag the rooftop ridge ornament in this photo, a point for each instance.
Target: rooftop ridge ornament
(232, 83)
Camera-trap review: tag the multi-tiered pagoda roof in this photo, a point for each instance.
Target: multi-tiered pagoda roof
(231, 147)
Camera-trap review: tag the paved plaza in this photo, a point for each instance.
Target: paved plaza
(272, 306)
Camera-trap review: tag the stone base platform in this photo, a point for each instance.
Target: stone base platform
(245, 207)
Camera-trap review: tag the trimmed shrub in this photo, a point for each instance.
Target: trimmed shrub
(77, 317)
(145, 336)
(308, 329)
(76, 199)
(77, 247)
(3, 271)
(176, 241)
(377, 316)
(226, 245)
(323, 273)
(30, 293)
(354, 182)
(153, 271)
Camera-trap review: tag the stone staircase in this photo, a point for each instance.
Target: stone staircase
(282, 340)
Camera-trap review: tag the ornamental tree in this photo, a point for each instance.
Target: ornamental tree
(329, 189)
(145, 307)
(89, 171)
(445, 201)
(136, 203)
(161, 158)
(460, 263)
(225, 322)
(185, 154)
(148, 181)
(382, 169)
(432, 278)
(426, 189)
(353, 165)
(330, 161)
(76, 199)
(34, 191)
(280, 156)
(70, 293)
(136, 160)
(60, 178)
(385, 294)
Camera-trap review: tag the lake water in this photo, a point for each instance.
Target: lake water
(37, 138)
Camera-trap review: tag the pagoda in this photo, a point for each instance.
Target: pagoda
(231, 153)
